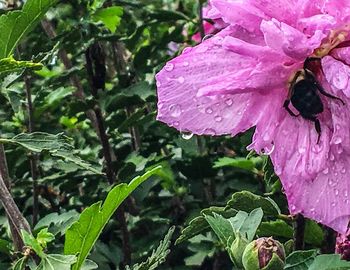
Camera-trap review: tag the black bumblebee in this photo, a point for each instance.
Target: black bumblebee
(304, 93)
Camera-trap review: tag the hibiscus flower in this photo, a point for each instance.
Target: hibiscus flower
(241, 77)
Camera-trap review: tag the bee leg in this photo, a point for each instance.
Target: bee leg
(323, 92)
(286, 106)
(317, 125)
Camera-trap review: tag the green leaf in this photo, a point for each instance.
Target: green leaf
(329, 262)
(158, 256)
(110, 17)
(44, 237)
(251, 224)
(247, 201)
(241, 163)
(15, 25)
(199, 224)
(20, 264)
(300, 260)
(10, 65)
(30, 241)
(57, 145)
(279, 228)
(221, 226)
(57, 261)
(82, 235)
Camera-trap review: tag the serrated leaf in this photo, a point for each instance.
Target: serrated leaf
(158, 256)
(329, 262)
(247, 201)
(221, 226)
(251, 224)
(300, 260)
(82, 235)
(57, 261)
(199, 224)
(15, 25)
(110, 17)
(57, 145)
(10, 65)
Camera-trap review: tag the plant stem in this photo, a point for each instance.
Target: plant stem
(328, 245)
(16, 236)
(201, 25)
(96, 70)
(33, 157)
(299, 230)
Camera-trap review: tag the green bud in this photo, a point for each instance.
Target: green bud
(264, 254)
(237, 249)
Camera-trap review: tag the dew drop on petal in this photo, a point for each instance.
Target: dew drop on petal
(229, 102)
(331, 157)
(345, 192)
(343, 170)
(336, 192)
(186, 64)
(186, 50)
(176, 124)
(158, 84)
(346, 201)
(337, 140)
(169, 67)
(181, 79)
(175, 110)
(210, 131)
(209, 110)
(218, 118)
(333, 204)
(187, 136)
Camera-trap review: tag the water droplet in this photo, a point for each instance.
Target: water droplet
(158, 84)
(266, 151)
(345, 192)
(186, 50)
(333, 204)
(312, 210)
(175, 110)
(337, 140)
(340, 149)
(302, 150)
(209, 110)
(186, 64)
(337, 127)
(210, 131)
(169, 67)
(266, 137)
(187, 136)
(181, 79)
(343, 170)
(336, 192)
(332, 157)
(346, 201)
(331, 182)
(293, 207)
(218, 118)
(176, 124)
(229, 102)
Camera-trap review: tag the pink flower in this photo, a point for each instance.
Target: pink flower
(240, 78)
(216, 24)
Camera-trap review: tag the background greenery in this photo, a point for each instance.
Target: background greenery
(57, 163)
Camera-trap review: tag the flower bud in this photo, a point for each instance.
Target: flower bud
(264, 253)
(342, 246)
(237, 249)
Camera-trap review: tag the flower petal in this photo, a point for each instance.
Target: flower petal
(244, 14)
(290, 41)
(326, 198)
(178, 84)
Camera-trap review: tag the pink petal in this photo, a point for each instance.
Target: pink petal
(290, 41)
(178, 84)
(326, 198)
(240, 12)
(339, 9)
